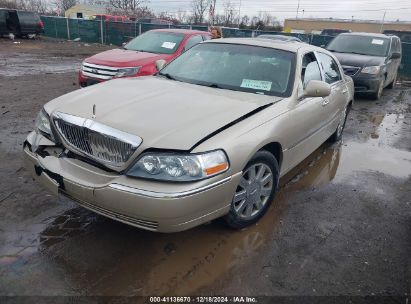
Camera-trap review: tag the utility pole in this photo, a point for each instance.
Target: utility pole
(298, 9)
(382, 22)
(239, 14)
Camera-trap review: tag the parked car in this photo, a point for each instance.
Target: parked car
(405, 36)
(333, 32)
(154, 21)
(19, 23)
(139, 56)
(111, 18)
(280, 37)
(208, 136)
(372, 60)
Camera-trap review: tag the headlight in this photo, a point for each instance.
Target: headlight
(180, 167)
(127, 72)
(43, 124)
(374, 70)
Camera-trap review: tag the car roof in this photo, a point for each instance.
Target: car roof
(279, 37)
(376, 35)
(269, 43)
(181, 31)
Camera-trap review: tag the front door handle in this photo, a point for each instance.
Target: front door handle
(326, 101)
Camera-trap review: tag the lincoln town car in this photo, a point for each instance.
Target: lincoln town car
(209, 136)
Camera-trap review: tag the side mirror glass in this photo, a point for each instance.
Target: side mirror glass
(316, 88)
(396, 55)
(160, 64)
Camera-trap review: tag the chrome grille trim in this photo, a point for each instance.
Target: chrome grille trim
(98, 71)
(97, 141)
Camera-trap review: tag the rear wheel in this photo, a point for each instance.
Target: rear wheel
(255, 192)
(341, 125)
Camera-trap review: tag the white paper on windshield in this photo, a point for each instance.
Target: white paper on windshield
(377, 41)
(256, 84)
(168, 45)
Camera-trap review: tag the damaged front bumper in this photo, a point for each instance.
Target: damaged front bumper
(177, 207)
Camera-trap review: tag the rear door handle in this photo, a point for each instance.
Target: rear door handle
(345, 92)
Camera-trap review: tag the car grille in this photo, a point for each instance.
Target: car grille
(98, 71)
(97, 141)
(350, 70)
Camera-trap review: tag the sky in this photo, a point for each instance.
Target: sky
(282, 9)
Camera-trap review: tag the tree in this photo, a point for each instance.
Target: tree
(244, 22)
(63, 5)
(230, 12)
(181, 16)
(199, 8)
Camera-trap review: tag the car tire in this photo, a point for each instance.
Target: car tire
(337, 136)
(392, 84)
(378, 93)
(255, 192)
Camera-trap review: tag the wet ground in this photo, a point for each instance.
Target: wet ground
(340, 225)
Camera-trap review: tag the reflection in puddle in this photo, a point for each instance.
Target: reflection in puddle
(109, 258)
(122, 260)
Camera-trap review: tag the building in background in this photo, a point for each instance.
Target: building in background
(84, 11)
(316, 26)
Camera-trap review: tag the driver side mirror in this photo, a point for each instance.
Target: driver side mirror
(160, 64)
(316, 88)
(396, 55)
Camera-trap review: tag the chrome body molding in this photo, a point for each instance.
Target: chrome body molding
(163, 195)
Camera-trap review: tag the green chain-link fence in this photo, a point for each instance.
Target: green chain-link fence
(116, 33)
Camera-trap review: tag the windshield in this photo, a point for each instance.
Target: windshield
(156, 42)
(235, 67)
(364, 45)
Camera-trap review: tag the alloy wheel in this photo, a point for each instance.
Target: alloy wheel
(253, 192)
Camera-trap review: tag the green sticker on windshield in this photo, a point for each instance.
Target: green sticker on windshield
(256, 84)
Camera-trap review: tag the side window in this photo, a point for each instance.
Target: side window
(397, 44)
(310, 69)
(330, 67)
(206, 37)
(192, 42)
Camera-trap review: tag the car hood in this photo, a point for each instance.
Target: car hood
(359, 60)
(125, 58)
(166, 114)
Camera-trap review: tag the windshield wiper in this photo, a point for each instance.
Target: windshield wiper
(214, 85)
(167, 75)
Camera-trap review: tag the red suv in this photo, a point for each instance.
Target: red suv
(139, 56)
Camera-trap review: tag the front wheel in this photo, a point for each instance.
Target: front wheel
(393, 83)
(255, 191)
(378, 93)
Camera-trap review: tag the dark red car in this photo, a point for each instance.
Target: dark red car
(139, 56)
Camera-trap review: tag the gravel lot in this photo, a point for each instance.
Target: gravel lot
(341, 224)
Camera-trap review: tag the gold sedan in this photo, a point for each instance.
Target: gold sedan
(209, 136)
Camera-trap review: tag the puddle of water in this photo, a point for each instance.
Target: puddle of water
(30, 64)
(109, 258)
